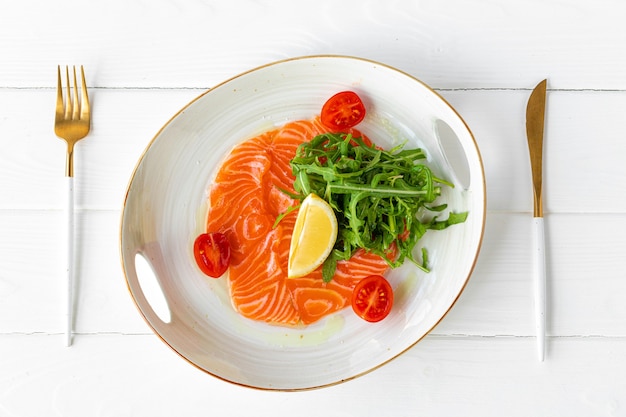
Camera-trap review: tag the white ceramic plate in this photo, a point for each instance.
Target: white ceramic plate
(165, 209)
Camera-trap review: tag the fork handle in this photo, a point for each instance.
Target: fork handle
(69, 229)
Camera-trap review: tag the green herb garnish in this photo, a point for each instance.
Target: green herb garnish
(378, 196)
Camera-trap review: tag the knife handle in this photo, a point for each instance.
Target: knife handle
(540, 285)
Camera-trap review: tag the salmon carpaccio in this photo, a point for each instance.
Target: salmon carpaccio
(244, 201)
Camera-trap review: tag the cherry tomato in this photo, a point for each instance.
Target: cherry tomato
(212, 253)
(372, 298)
(342, 111)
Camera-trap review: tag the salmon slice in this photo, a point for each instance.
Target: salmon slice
(244, 201)
(316, 299)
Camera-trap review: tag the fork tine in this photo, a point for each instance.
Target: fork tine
(84, 107)
(71, 107)
(68, 97)
(75, 102)
(59, 108)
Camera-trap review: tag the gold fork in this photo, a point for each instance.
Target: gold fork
(71, 123)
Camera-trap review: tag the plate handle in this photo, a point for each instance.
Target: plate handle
(453, 153)
(146, 288)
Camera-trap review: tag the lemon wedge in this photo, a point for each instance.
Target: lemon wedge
(314, 236)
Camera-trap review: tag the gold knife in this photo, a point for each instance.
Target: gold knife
(535, 116)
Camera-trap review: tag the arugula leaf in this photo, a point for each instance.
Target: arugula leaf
(328, 268)
(377, 195)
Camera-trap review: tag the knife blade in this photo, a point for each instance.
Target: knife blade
(535, 119)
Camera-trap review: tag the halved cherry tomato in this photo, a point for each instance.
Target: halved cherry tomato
(212, 253)
(372, 298)
(342, 111)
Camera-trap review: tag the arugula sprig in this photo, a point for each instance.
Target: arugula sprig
(377, 195)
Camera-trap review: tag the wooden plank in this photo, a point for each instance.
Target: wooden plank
(448, 45)
(31, 164)
(139, 376)
(585, 289)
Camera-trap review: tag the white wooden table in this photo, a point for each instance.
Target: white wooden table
(146, 60)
